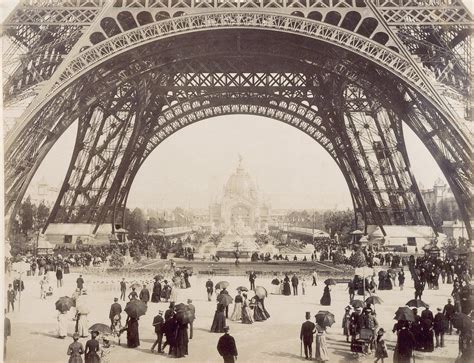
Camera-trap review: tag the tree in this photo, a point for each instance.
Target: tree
(42, 214)
(136, 222)
(116, 259)
(27, 213)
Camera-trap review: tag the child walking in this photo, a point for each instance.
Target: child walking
(380, 348)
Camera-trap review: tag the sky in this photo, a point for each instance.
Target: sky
(190, 168)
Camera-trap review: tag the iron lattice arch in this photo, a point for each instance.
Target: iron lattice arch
(131, 89)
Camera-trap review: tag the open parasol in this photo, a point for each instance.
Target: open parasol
(158, 277)
(392, 271)
(357, 303)
(101, 328)
(415, 303)
(242, 288)
(222, 285)
(261, 292)
(324, 318)
(373, 300)
(462, 322)
(136, 285)
(64, 304)
(404, 313)
(330, 282)
(224, 299)
(275, 281)
(135, 308)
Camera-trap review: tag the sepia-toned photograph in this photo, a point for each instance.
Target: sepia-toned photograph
(237, 181)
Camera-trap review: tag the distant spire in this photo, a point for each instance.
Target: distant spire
(240, 161)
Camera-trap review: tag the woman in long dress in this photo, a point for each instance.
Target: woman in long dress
(276, 286)
(237, 314)
(218, 323)
(75, 350)
(133, 338)
(174, 293)
(246, 312)
(156, 294)
(92, 349)
(286, 286)
(326, 299)
(321, 352)
(62, 325)
(82, 325)
(259, 311)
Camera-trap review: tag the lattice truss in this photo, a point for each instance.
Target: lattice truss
(72, 61)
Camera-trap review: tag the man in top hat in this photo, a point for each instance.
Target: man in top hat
(426, 323)
(158, 323)
(226, 347)
(306, 335)
(115, 309)
(192, 316)
(448, 312)
(440, 326)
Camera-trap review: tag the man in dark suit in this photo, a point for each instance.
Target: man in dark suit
(145, 295)
(115, 309)
(80, 282)
(306, 335)
(192, 316)
(294, 283)
(123, 289)
(252, 278)
(158, 323)
(226, 347)
(448, 312)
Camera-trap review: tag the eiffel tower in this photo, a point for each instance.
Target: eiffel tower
(130, 73)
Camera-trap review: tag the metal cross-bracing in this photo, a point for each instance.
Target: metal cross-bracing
(341, 71)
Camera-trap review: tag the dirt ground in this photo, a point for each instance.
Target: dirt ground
(275, 340)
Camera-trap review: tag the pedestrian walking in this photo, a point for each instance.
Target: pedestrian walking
(80, 282)
(91, 353)
(380, 347)
(449, 311)
(158, 323)
(192, 317)
(315, 279)
(115, 311)
(252, 277)
(294, 284)
(440, 326)
(59, 277)
(11, 297)
(75, 350)
(308, 328)
(123, 289)
(209, 289)
(226, 347)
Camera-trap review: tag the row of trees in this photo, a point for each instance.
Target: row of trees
(333, 221)
(30, 218)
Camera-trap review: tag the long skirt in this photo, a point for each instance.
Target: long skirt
(246, 315)
(174, 294)
(218, 323)
(326, 299)
(133, 338)
(276, 289)
(83, 325)
(260, 313)
(321, 352)
(62, 325)
(286, 289)
(155, 297)
(237, 314)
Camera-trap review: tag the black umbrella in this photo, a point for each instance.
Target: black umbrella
(224, 299)
(64, 304)
(222, 285)
(374, 300)
(242, 288)
(330, 282)
(404, 313)
(462, 322)
(135, 308)
(357, 303)
(415, 303)
(324, 318)
(101, 328)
